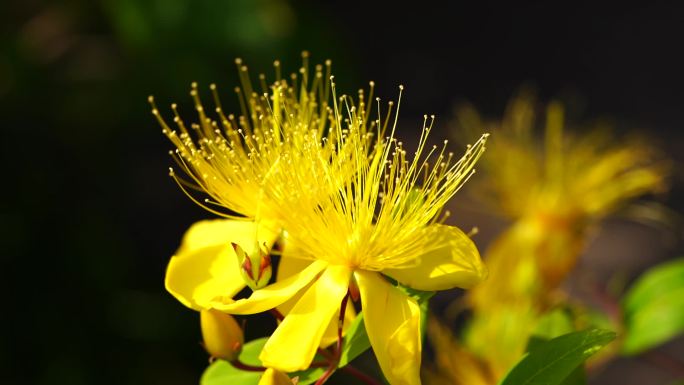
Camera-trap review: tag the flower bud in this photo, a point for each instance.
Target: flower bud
(256, 269)
(223, 337)
(276, 377)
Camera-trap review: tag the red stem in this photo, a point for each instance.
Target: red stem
(277, 314)
(326, 354)
(326, 375)
(361, 375)
(249, 368)
(340, 326)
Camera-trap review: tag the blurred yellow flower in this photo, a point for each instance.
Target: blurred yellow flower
(383, 221)
(556, 192)
(453, 363)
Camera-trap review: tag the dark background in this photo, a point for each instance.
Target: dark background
(90, 216)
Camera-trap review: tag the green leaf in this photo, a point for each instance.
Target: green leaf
(577, 376)
(550, 363)
(654, 307)
(355, 341)
(221, 372)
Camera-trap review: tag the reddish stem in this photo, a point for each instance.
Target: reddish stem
(361, 375)
(249, 368)
(326, 354)
(340, 326)
(326, 375)
(277, 314)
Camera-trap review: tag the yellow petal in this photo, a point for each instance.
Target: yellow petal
(197, 278)
(330, 335)
(274, 377)
(294, 343)
(205, 267)
(451, 261)
(272, 295)
(220, 232)
(392, 321)
(289, 266)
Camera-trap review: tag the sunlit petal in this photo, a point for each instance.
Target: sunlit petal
(451, 261)
(290, 266)
(392, 320)
(205, 267)
(294, 343)
(274, 294)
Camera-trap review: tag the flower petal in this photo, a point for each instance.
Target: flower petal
(197, 278)
(272, 295)
(294, 343)
(392, 321)
(205, 266)
(274, 377)
(451, 261)
(289, 266)
(219, 232)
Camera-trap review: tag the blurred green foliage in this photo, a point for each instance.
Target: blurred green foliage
(653, 308)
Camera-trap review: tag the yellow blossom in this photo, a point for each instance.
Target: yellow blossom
(555, 190)
(453, 363)
(382, 221)
(234, 161)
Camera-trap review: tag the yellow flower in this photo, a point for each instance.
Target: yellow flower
(234, 161)
(383, 221)
(454, 364)
(556, 190)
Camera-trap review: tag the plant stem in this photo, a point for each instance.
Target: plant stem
(340, 326)
(361, 375)
(326, 375)
(326, 354)
(277, 314)
(249, 368)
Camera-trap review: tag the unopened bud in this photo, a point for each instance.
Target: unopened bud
(256, 269)
(223, 337)
(275, 377)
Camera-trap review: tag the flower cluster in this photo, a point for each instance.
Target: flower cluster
(312, 178)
